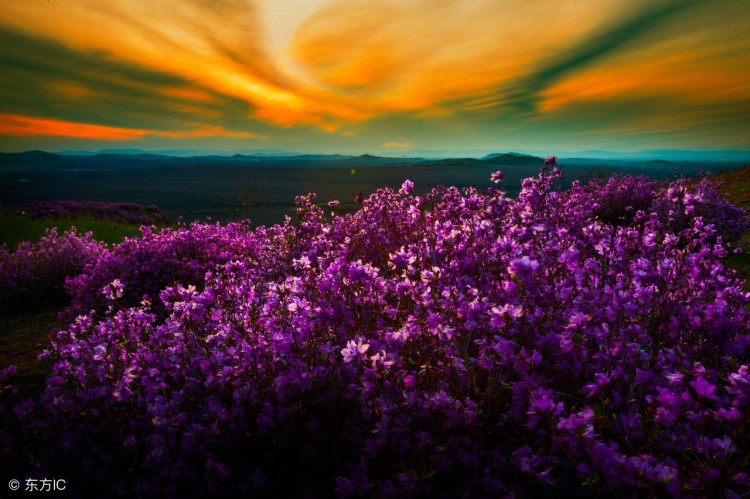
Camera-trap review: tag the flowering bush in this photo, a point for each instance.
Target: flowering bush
(683, 201)
(35, 272)
(148, 264)
(126, 213)
(617, 201)
(454, 344)
(677, 204)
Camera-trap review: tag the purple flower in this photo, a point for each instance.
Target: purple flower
(542, 406)
(407, 187)
(354, 350)
(410, 382)
(113, 290)
(703, 388)
(523, 266)
(739, 386)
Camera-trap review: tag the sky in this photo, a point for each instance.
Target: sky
(375, 76)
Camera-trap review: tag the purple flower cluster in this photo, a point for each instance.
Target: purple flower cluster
(159, 258)
(677, 204)
(457, 343)
(35, 273)
(683, 200)
(618, 200)
(124, 213)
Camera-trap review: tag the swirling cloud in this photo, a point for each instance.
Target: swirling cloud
(247, 68)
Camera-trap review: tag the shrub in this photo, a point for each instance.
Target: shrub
(684, 200)
(34, 274)
(159, 258)
(456, 343)
(124, 213)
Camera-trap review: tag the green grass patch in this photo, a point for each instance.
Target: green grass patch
(740, 263)
(15, 228)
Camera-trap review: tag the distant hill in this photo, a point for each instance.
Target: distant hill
(512, 158)
(136, 159)
(206, 185)
(590, 155)
(663, 154)
(452, 162)
(369, 159)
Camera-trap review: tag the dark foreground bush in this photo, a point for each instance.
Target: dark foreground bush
(34, 274)
(454, 344)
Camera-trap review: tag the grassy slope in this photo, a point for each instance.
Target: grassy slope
(16, 228)
(737, 187)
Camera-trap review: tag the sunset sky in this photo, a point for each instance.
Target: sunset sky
(375, 76)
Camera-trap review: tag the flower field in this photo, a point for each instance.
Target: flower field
(586, 341)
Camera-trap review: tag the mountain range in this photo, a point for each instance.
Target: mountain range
(591, 154)
(138, 159)
(135, 158)
(204, 185)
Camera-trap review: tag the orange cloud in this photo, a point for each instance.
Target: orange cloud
(397, 145)
(355, 60)
(208, 131)
(215, 44)
(415, 55)
(71, 90)
(28, 126)
(187, 94)
(682, 68)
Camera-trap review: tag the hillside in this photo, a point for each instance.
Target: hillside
(736, 185)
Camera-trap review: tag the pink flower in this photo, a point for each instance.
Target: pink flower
(354, 350)
(113, 290)
(407, 187)
(497, 177)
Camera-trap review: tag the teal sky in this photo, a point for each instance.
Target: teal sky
(365, 76)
